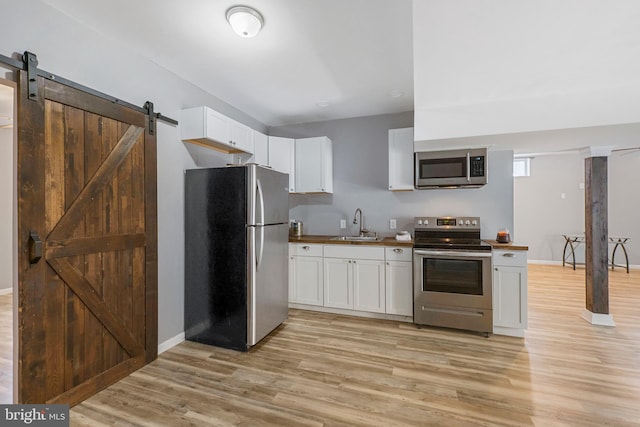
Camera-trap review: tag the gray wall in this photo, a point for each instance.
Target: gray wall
(360, 178)
(6, 208)
(542, 215)
(112, 68)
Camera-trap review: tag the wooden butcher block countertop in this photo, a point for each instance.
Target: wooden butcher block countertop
(507, 246)
(326, 240)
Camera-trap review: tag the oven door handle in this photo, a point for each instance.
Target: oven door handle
(454, 254)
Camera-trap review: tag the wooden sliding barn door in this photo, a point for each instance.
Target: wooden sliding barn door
(87, 243)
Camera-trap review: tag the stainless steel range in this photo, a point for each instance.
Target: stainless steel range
(452, 274)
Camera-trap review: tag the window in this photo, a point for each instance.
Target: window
(522, 166)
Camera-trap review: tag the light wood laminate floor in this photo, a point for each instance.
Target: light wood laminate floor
(6, 348)
(322, 369)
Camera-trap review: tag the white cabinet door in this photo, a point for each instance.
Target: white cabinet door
(282, 157)
(260, 149)
(208, 127)
(240, 136)
(306, 280)
(216, 126)
(338, 292)
(510, 297)
(401, 159)
(510, 292)
(368, 285)
(314, 165)
(399, 288)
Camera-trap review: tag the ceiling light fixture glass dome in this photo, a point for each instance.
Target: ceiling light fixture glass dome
(245, 21)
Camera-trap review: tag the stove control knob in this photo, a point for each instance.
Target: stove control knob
(461, 222)
(467, 222)
(426, 222)
(419, 222)
(474, 222)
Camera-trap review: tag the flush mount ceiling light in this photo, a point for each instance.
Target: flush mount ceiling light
(245, 21)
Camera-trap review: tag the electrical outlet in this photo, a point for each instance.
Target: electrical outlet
(343, 223)
(392, 224)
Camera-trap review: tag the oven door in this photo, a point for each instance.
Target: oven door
(452, 289)
(453, 278)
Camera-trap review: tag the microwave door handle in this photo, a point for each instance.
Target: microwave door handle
(468, 167)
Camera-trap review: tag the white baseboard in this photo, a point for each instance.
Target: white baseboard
(568, 264)
(6, 291)
(544, 262)
(166, 345)
(598, 319)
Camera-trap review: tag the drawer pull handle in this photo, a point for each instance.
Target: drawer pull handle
(306, 248)
(398, 250)
(509, 255)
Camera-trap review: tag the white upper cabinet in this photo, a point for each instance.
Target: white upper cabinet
(207, 127)
(282, 157)
(314, 165)
(240, 136)
(401, 159)
(260, 149)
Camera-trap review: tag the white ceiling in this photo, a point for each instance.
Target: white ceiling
(489, 67)
(349, 53)
(482, 67)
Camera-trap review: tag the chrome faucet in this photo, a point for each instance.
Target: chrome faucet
(363, 229)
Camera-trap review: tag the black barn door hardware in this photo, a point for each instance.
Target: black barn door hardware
(35, 248)
(29, 64)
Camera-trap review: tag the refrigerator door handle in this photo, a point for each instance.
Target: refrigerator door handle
(260, 224)
(260, 197)
(261, 250)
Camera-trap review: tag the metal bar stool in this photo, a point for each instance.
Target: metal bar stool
(619, 242)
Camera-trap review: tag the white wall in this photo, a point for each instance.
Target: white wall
(542, 215)
(6, 209)
(71, 50)
(360, 180)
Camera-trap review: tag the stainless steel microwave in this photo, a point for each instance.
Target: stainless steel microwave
(451, 168)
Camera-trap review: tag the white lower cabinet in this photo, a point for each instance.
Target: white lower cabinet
(373, 279)
(306, 274)
(399, 281)
(338, 289)
(354, 277)
(368, 285)
(509, 292)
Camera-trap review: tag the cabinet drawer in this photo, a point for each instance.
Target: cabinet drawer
(304, 249)
(510, 258)
(357, 252)
(398, 254)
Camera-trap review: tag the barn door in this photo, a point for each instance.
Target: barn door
(87, 243)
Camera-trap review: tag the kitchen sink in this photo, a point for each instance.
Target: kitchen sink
(358, 238)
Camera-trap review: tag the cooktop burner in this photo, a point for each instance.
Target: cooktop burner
(449, 233)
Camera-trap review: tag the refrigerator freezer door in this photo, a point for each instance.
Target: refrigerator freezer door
(268, 196)
(268, 280)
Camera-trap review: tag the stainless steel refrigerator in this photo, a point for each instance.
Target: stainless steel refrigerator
(236, 246)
